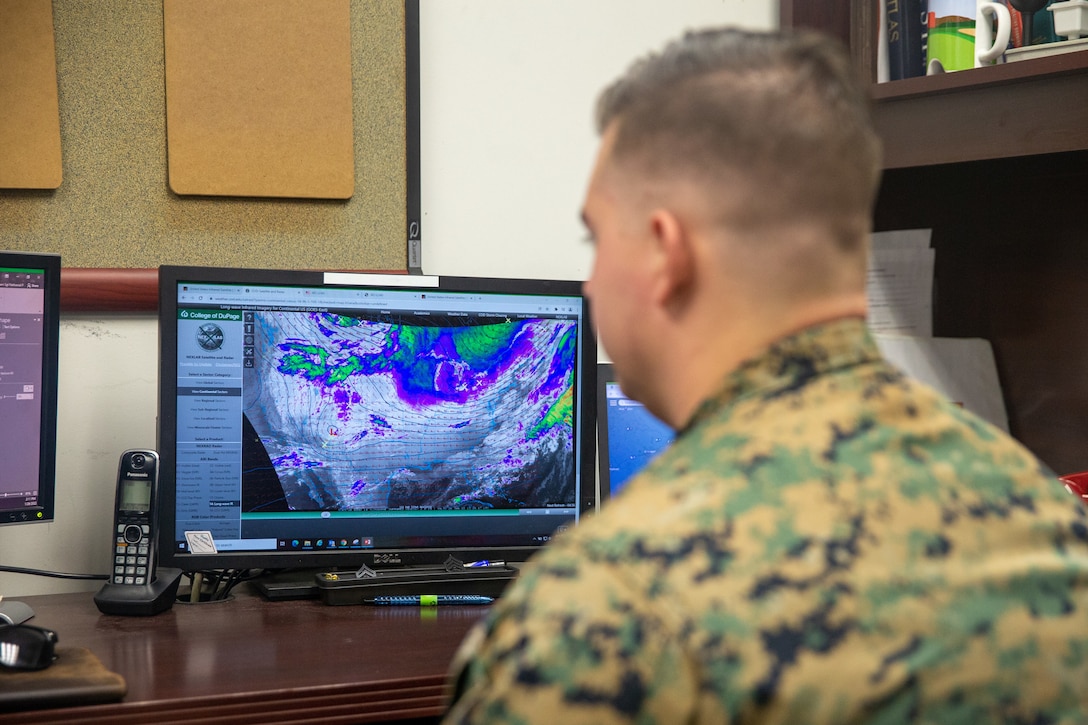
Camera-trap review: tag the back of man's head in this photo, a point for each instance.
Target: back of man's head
(777, 122)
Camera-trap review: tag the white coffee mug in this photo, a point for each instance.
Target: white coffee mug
(991, 44)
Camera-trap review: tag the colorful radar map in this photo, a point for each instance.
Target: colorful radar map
(410, 413)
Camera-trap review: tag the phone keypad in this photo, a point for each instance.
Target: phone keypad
(132, 554)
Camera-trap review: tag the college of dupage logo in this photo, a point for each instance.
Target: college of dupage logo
(209, 336)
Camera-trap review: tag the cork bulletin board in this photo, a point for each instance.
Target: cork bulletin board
(258, 98)
(29, 117)
(115, 208)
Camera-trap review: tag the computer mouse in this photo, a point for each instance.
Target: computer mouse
(26, 647)
(12, 612)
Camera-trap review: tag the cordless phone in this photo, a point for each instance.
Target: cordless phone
(134, 518)
(134, 587)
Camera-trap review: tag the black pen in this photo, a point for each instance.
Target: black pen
(428, 600)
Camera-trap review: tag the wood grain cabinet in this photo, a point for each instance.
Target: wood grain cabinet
(995, 161)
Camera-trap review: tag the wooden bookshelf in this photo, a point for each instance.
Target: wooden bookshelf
(995, 161)
(1025, 108)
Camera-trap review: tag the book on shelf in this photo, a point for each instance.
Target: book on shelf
(906, 30)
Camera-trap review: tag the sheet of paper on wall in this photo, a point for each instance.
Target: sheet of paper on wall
(900, 283)
(963, 369)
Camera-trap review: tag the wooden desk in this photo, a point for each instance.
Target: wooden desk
(261, 661)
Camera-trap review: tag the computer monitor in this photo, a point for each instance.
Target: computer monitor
(330, 420)
(29, 341)
(629, 436)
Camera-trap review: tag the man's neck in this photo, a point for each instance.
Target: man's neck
(705, 356)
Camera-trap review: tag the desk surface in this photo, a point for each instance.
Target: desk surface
(291, 660)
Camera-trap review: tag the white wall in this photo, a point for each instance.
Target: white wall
(508, 88)
(108, 400)
(507, 95)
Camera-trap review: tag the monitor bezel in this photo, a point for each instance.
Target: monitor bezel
(171, 276)
(45, 510)
(606, 374)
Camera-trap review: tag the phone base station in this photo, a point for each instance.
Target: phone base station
(140, 601)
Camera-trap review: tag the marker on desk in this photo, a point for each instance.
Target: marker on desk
(485, 562)
(429, 600)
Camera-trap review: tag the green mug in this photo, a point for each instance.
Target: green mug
(965, 34)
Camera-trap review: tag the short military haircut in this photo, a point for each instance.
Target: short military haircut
(784, 113)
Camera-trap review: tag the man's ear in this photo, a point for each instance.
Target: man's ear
(676, 258)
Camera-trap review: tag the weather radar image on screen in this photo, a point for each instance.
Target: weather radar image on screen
(320, 419)
(339, 404)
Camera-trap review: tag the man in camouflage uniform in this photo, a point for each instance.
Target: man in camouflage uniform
(826, 541)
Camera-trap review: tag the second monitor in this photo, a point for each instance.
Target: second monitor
(629, 435)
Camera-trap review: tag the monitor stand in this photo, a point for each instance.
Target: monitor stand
(287, 585)
(12, 612)
(455, 577)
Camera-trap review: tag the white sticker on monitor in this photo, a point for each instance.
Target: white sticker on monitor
(200, 542)
(384, 280)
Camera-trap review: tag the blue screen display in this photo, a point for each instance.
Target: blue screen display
(635, 437)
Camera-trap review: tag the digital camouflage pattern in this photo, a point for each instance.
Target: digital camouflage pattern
(826, 542)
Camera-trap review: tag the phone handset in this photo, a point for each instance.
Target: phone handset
(134, 518)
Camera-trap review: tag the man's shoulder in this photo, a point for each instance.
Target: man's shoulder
(844, 416)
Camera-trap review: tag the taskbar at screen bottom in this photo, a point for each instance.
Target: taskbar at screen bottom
(367, 543)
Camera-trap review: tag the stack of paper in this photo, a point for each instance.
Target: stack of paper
(900, 283)
(900, 290)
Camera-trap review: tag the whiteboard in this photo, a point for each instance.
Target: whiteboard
(507, 89)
